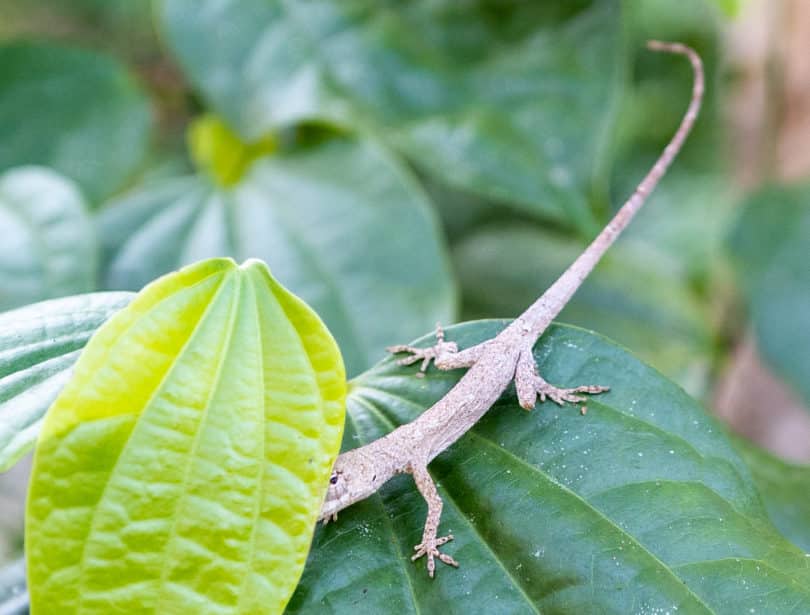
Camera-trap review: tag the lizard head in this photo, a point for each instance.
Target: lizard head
(355, 476)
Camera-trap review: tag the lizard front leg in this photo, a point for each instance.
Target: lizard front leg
(439, 353)
(430, 543)
(529, 385)
(445, 355)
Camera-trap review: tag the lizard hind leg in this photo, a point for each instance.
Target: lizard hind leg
(430, 544)
(530, 385)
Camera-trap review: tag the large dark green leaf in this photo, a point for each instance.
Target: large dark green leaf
(38, 346)
(771, 248)
(784, 487)
(73, 110)
(629, 300)
(48, 246)
(341, 224)
(508, 101)
(639, 506)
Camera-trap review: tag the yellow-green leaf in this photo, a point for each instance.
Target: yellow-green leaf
(220, 152)
(182, 468)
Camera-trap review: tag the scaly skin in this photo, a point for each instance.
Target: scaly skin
(492, 366)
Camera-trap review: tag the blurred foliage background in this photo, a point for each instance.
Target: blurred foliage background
(398, 165)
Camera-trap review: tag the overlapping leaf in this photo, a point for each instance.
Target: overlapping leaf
(81, 112)
(633, 303)
(182, 468)
(38, 346)
(342, 223)
(771, 246)
(510, 103)
(49, 244)
(639, 506)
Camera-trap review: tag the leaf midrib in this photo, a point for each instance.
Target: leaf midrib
(20, 382)
(257, 507)
(224, 351)
(30, 356)
(79, 318)
(330, 279)
(632, 539)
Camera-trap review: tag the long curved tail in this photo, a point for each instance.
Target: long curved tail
(540, 314)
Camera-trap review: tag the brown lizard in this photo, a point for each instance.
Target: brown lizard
(493, 365)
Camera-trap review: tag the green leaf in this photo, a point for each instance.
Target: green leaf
(73, 110)
(182, 468)
(784, 487)
(770, 248)
(639, 506)
(509, 103)
(217, 150)
(49, 244)
(730, 8)
(38, 346)
(342, 223)
(629, 300)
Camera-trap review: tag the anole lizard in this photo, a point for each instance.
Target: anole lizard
(492, 366)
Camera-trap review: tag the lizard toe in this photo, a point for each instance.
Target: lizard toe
(431, 551)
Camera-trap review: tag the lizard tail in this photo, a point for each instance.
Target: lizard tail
(549, 305)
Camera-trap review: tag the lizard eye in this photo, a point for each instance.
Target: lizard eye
(333, 479)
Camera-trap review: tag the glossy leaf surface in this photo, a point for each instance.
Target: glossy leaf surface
(48, 246)
(771, 248)
(510, 103)
(639, 506)
(342, 223)
(182, 468)
(83, 115)
(38, 346)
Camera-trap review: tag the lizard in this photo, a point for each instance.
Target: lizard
(491, 366)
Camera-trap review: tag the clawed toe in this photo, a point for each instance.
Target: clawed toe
(433, 353)
(328, 518)
(574, 395)
(530, 385)
(431, 551)
(426, 355)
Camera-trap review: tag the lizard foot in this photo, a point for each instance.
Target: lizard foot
(430, 544)
(433, 353)
(430, 548)
(530, 385)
